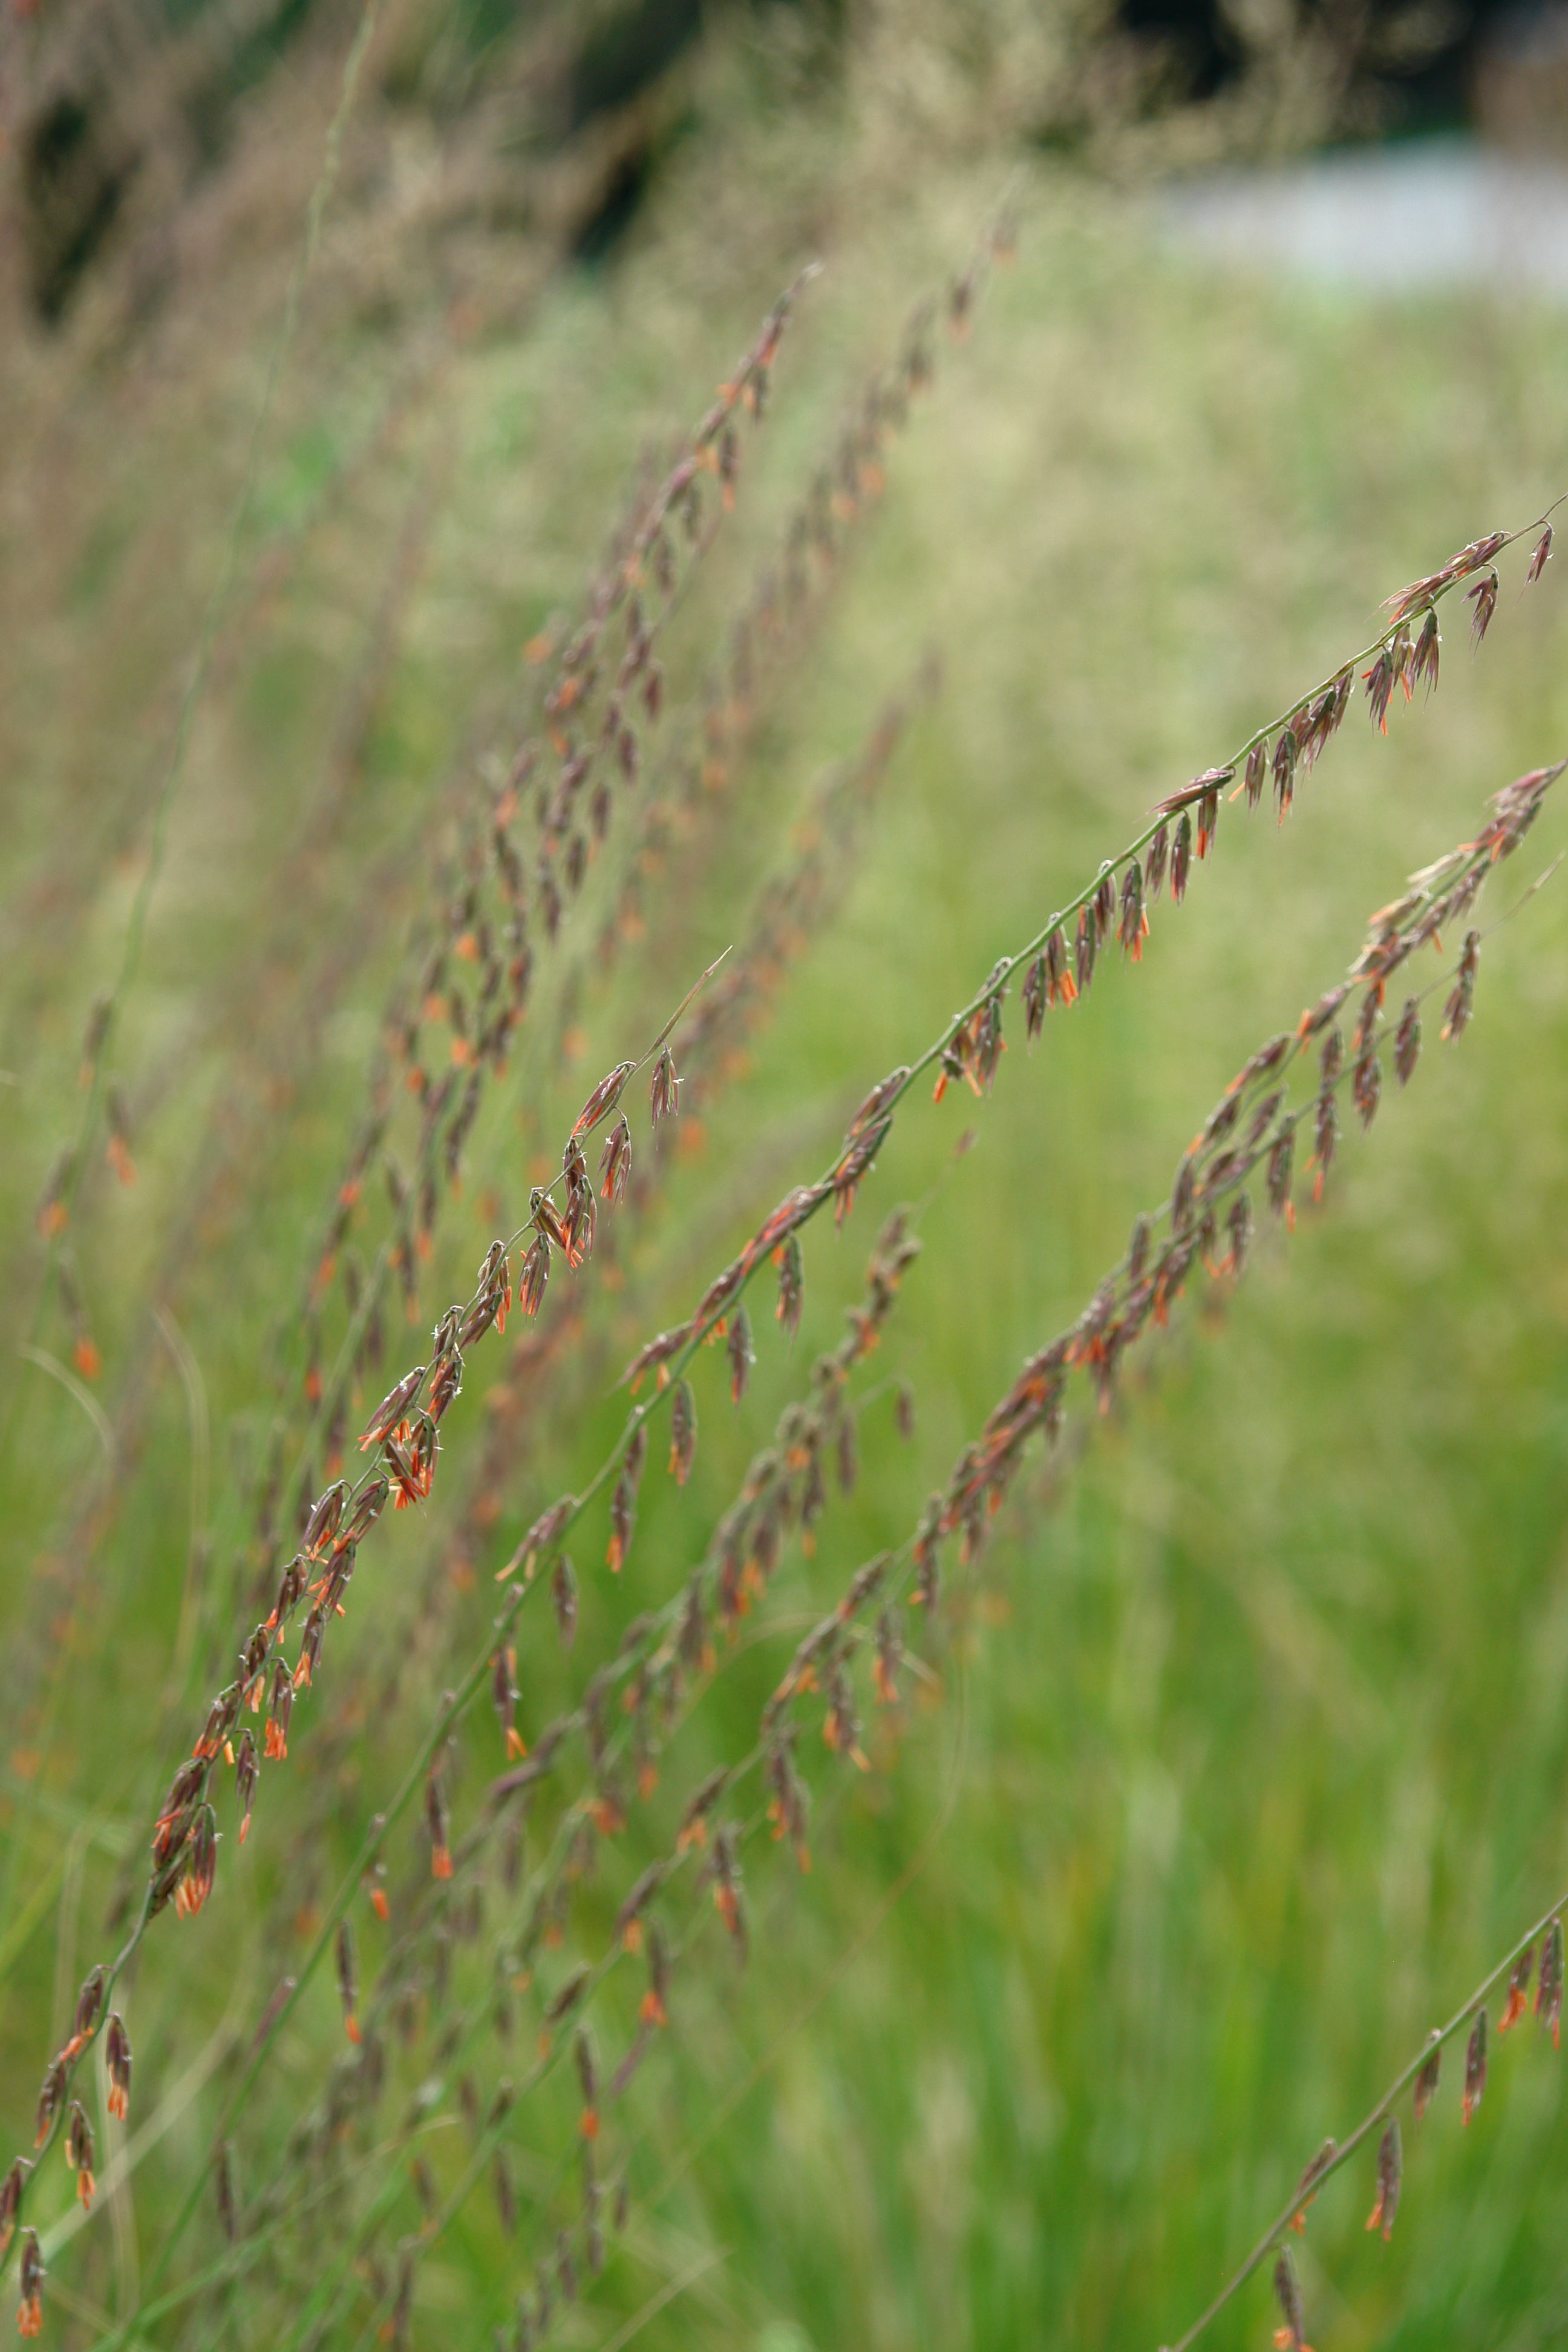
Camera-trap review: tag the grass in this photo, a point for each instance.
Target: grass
(1250, 1748)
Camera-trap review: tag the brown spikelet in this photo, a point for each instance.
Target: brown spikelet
(1461, 1000)
(624, 1501)
(1517, 2001)
(792, 1284)
(1483, 596)
(616, 1161)
(1256, 771)
(116, 2059)
(11, 2187)
(1181, 858)
(79, 2153)
(1061, 988)
(30, 2312)
(683, 1432)
(1084, 948)
(740, 1353)
(1389, 2175)
(1290, 2335)
(664, 1091)
(1035, 998)
(602, 1099)
(393, 1408)
(348, 1978)
(1281, 1155)
(1133, 923)
(1549, 1984)
(1366, 1085)
(1475, 2067)
(437, 1825)
(564, 1597)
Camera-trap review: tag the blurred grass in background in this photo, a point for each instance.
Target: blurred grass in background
(1250, 1746)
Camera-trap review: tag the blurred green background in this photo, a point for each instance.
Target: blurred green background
(1250, 1745)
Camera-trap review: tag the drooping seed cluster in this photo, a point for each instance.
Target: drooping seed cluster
(607, 689)
(772, 628)
(662, 1663)
(403, 1437)
(1421, 2077)
(822, 1662)
(788, 910)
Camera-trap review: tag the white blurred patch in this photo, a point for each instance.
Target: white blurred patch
(1424, 214)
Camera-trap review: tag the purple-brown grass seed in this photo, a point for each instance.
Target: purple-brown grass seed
(1181, 858)
(348, 1978)
(792, 1285)
(392, 1409)
(664, 1092)
(116, 2059)
(1483, 595)
(30, 2313)
(1461, 1001)
(602, 1099)
(11, 2188)
(616, 1161)
(624, 1500)
(1133, 925)
(1519, 1979)
(1035, 999)
(223, 2191)
(1366, 1085)
(79, 2153)
(1408, 1042)
(533, 1275)
(437, 1825)
(847, 1455)
(1257, 769)
(1290, 2336)
(1390, 2176)
(1084, 948)
(927, 1559)
(1281, 1160)
(1475, 2067)
(564, 1595)
(246, 1774)
(89, 2002)
(1325, 1138)
(1239, 1226)
(1549, 1984)
(683, 1432)
(506, 2195)
(740, 1352)
(544, 1216)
